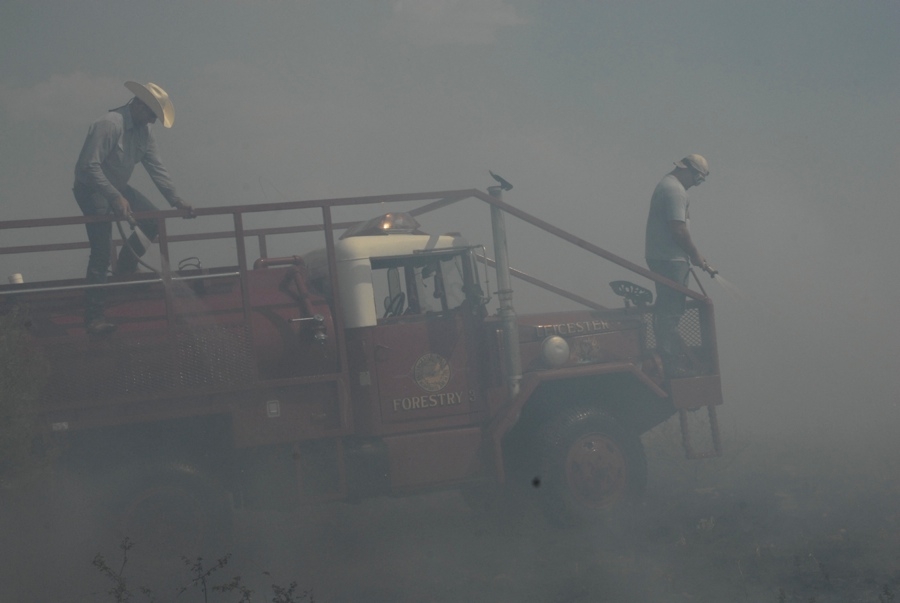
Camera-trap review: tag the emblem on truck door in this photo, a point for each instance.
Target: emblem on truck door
(432, 372)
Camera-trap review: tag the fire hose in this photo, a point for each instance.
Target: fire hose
(144, 240)
(127, 243)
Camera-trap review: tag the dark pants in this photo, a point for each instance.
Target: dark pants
(100, 238)
(669, 306)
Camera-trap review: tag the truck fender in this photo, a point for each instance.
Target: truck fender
(508, 416)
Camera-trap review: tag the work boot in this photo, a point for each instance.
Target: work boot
(99, 326)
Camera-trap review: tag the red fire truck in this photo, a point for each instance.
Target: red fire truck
(377, 359)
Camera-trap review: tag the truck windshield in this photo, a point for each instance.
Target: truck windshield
(425, 283)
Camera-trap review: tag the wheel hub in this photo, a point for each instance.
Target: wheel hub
(596, 471)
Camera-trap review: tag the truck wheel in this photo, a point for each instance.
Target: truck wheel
(173, 511)
(591, 467)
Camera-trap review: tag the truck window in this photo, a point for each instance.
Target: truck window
(424, 283)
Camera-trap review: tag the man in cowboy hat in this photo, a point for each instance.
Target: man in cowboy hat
(115, 143)
(669, 251)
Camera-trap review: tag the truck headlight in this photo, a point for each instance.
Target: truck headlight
(555, 351)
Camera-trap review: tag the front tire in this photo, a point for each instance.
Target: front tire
(591, 467)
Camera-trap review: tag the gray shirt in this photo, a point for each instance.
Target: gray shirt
(669, 202)
(114, 145)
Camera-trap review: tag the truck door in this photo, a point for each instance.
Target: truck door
(426, 341)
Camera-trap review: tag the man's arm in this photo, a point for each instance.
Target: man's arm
(682, 237)
(101, 139)
(160, 176)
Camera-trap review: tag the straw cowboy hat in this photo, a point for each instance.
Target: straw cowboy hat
(156, 98)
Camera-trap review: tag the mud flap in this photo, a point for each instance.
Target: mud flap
(691, 394)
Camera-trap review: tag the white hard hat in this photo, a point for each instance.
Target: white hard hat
(696, 162)
(156, 98)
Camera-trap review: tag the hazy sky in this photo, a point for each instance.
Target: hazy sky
(583, 105)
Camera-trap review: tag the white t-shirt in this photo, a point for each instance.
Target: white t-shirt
(669, 202)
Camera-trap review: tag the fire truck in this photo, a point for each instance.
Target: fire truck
(377, 358)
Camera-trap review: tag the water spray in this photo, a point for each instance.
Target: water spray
(727, 285)
(714, 275)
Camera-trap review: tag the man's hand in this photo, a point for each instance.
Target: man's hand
(122, 208)
(185, 207)
(699, 260)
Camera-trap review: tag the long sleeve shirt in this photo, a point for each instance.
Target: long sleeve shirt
(114, 145)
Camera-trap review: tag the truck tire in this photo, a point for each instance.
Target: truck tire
(171, 511)
(591, 469)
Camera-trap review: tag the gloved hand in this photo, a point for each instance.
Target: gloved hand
(185, 207)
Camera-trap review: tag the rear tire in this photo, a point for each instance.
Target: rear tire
(591, 468)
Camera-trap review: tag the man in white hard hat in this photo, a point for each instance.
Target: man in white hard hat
(115, 144)
(670, 251)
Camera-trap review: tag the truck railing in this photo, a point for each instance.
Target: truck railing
(441, 199)
(240, 235)
(122, 285)
(587, 246)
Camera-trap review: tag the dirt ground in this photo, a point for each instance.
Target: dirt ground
(773, 520)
